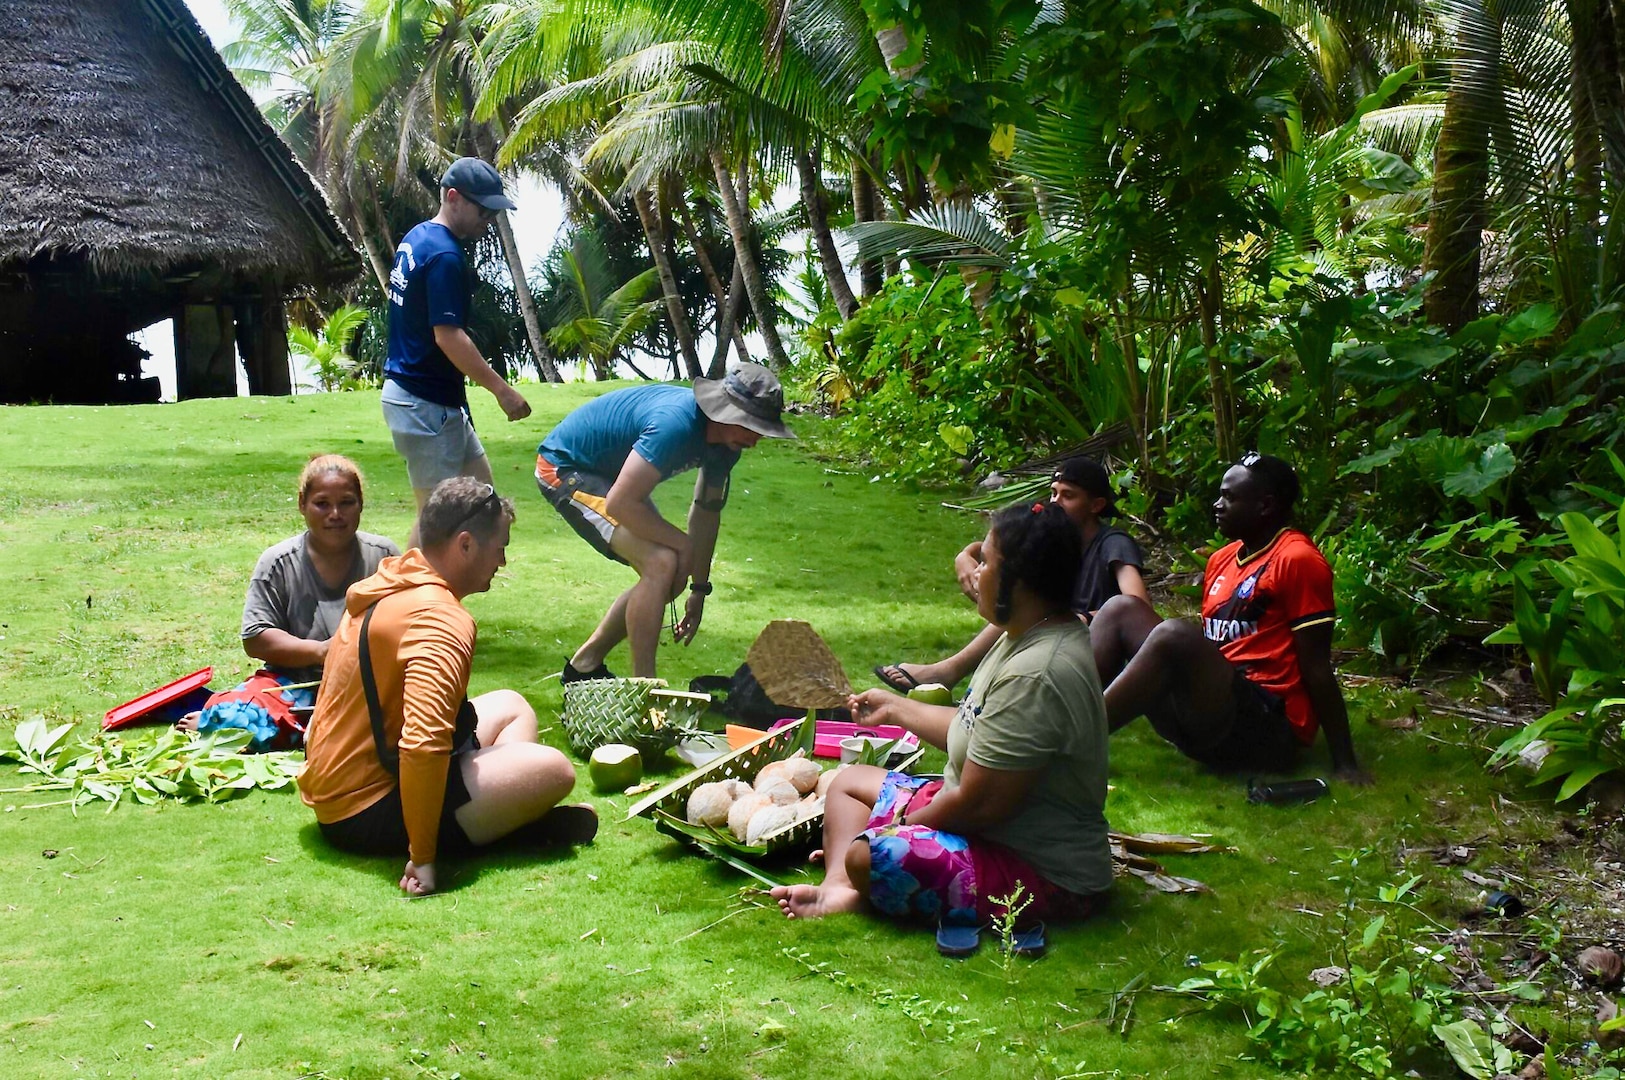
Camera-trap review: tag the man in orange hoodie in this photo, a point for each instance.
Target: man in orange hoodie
(401, 762)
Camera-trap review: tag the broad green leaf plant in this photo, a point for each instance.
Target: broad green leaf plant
(1576, 648)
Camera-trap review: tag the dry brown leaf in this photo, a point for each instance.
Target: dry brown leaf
(1169, 883)
(1163, 844)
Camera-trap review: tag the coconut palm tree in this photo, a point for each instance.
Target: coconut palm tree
(593, 318)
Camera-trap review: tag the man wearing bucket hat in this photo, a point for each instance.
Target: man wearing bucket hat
(430, 352)
(599, 467)
(1110, 567)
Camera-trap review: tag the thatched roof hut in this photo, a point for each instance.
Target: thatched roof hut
(138, 181)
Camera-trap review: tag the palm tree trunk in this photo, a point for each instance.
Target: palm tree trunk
(865, 207)
(546, 365)
(817, 207)
(1209, 298)
(376, 258)
(1457, 213)
(755, 284)
(680, 328)
(714, 281)
(728, 325)
(1596, 64)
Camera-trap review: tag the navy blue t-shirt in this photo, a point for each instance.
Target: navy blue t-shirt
(662, 423)
(427, 288)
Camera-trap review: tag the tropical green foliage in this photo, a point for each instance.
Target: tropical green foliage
(1379, 240)
(593, 317)
(1576, 647)
(326, 352)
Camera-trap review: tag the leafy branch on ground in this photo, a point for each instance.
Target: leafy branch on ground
(170, 764)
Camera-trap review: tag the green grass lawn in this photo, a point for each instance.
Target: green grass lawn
(225, 940)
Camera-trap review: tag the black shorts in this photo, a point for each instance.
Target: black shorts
(380, 829)
(580, 499)
(1260, 739)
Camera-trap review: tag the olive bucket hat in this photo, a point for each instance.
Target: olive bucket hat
(749, 396)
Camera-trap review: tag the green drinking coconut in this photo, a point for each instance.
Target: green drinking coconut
(615, 767)
(932, 693)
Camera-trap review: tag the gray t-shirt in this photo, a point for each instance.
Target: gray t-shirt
(286, 593)
(1097, 574)
(1034, 705)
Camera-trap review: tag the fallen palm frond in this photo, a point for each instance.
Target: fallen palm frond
(172, 764)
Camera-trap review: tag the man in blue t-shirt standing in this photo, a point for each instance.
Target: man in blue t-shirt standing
(599, 467)
(430, 352)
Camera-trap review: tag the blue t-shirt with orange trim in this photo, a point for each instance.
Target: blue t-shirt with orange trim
(1252, 605)
(660, 422)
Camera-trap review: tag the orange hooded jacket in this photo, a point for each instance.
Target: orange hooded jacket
(422, 644)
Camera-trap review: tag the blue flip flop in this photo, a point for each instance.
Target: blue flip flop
(1030, 942)
(958, 941)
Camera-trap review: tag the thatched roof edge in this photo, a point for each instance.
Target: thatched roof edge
(199, 52)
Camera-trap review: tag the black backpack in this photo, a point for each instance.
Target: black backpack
(741, 699)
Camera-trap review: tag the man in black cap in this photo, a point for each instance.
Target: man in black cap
(1111, 567)
(599, 467)
(430, 352)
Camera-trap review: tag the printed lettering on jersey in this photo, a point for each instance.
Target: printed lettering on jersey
(1239, 615)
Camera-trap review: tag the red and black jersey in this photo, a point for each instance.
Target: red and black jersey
(1252, 605)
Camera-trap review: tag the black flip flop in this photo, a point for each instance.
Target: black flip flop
(902, 683)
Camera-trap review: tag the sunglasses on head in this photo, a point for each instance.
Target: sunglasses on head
(1250, 458)
(491, 501)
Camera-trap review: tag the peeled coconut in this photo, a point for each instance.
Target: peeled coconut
(739, 814)
(773, 770)
(615, 767)
(736, 788)
(826, 779)
(809, 808)
(801, 772)
(709, 804)
(769, 820)
(779, 791)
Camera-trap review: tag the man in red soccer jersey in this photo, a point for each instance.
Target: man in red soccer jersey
(1248, 688)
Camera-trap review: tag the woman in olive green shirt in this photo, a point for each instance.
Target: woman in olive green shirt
(1022, 802)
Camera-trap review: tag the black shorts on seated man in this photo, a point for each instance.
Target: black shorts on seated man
(1249, 687)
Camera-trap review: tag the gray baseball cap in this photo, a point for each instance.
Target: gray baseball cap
(478, 181)
(749, 396)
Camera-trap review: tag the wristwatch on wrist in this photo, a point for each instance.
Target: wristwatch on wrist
(700, 588)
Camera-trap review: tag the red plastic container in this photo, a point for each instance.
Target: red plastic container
(164, 703)
(829, 733)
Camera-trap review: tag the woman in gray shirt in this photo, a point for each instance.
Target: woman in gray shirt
(295, 599)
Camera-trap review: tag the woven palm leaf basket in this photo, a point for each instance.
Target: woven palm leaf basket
(667, 806)
(644, 713)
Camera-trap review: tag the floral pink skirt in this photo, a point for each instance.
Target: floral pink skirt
(919, 872)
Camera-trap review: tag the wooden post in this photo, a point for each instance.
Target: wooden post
(262, 339)
(205, 352)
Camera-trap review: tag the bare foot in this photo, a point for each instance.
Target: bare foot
(816, 901)
(817, 856)
(188, 722)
